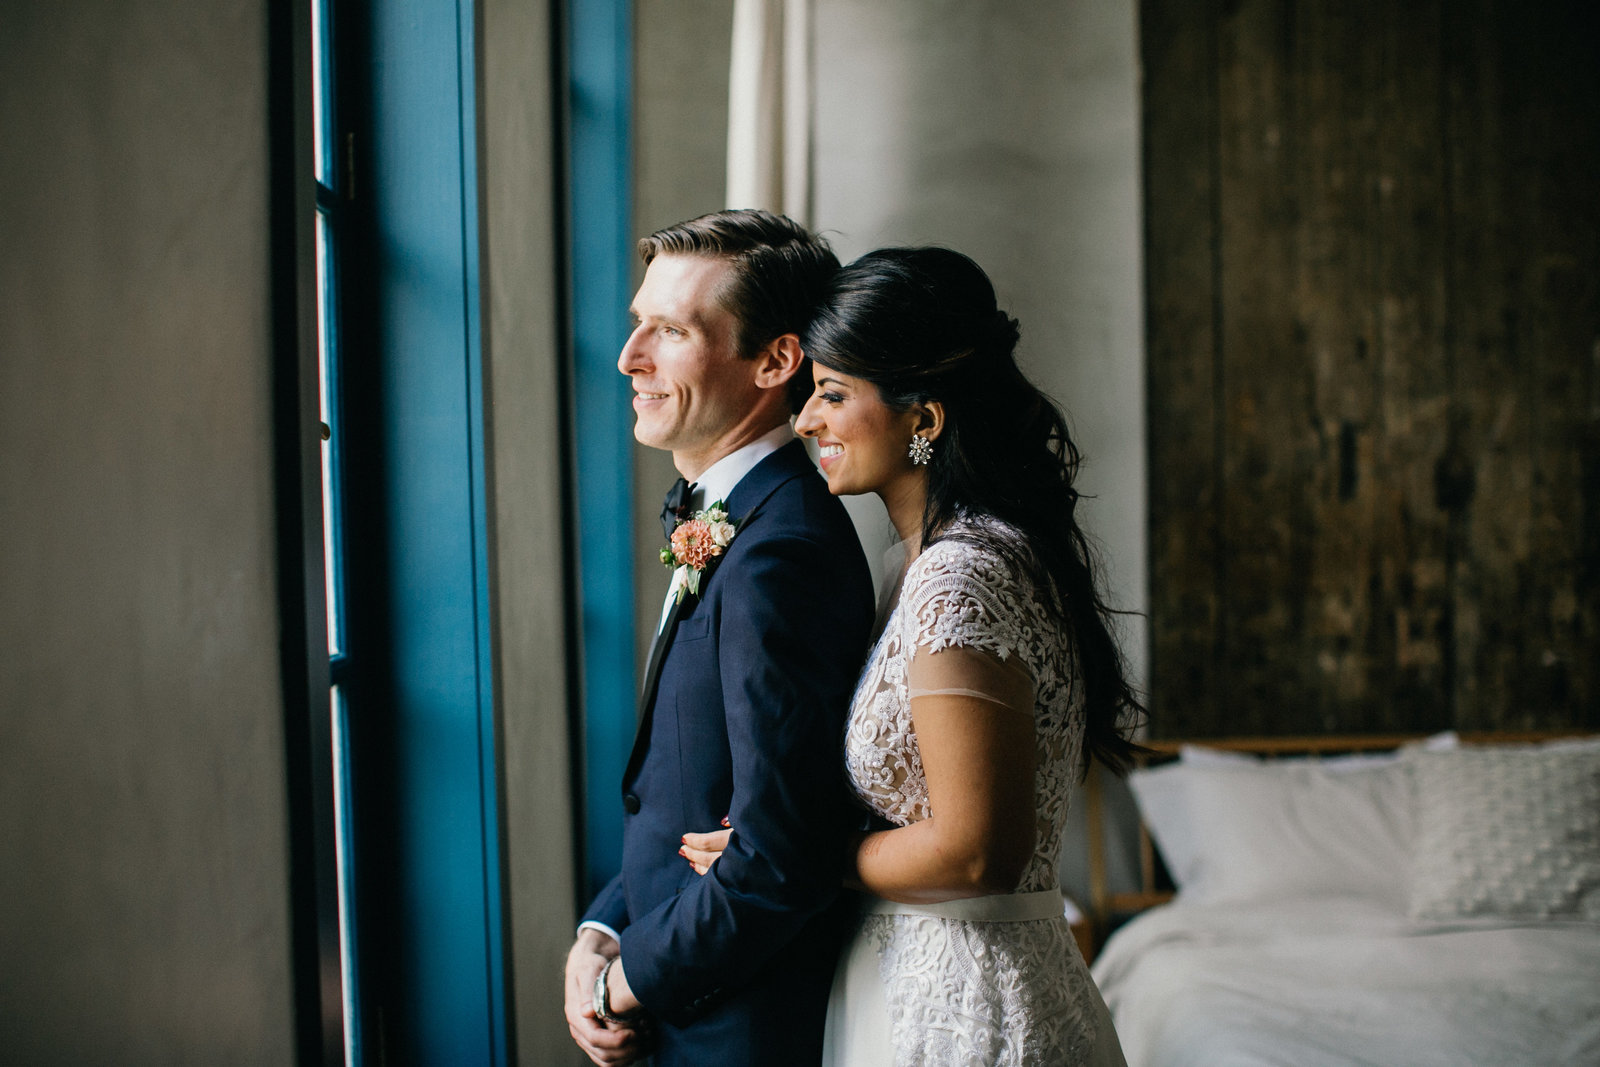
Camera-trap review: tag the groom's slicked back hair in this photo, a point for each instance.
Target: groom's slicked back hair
(778, 272)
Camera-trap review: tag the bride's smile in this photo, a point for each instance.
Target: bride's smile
(863, 442)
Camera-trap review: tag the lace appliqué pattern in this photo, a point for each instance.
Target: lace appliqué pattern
(969, 992)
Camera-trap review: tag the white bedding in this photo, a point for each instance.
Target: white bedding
(1347, 980)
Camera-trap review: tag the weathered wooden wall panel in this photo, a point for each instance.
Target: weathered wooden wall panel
(1373, 264)
(1178, 49)
(1266, 443)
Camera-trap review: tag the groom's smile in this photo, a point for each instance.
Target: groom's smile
(643, 401)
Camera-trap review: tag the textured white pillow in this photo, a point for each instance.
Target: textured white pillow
(1507, 830)
(1249, 831)
(1203, 755)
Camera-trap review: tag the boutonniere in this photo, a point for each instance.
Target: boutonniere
(696, 541)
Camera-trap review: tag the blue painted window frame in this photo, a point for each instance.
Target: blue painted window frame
(444, 1000)
(424, 811)
(417, 660)
(600, 109)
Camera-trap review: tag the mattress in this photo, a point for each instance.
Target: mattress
(1349, 980)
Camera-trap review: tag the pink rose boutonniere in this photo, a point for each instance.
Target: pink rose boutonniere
(696, 541)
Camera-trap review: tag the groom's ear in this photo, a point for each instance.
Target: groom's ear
(778, 361)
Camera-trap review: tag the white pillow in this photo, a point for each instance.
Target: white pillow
(1204, 755)
(1249, 831)
(1507, 830)
(1201, 756)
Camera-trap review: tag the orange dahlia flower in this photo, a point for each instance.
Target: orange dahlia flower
(693, 543)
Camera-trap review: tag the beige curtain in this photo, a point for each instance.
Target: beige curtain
(769, 108)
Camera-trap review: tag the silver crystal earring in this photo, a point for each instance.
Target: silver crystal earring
(921, 450)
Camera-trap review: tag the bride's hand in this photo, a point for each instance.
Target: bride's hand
(702, 850)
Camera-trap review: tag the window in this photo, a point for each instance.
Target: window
(404, 803)
(330, 227)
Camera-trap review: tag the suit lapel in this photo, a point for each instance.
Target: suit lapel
(647, 692)
(658, 652)
(765, 477)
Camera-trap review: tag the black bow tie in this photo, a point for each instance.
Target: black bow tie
(676, 506)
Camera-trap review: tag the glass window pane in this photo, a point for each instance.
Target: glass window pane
(341, 839)
(327, 402)
(322, 112)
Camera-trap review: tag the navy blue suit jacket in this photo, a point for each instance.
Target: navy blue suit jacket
(745, 718)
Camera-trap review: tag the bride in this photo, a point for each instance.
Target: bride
(995, 678)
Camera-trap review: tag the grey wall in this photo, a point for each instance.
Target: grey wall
(522, 344)
(1009, 130)
(143, 884)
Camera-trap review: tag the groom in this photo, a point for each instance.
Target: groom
(743, 704)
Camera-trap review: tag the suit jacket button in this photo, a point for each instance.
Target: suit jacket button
(630, 803)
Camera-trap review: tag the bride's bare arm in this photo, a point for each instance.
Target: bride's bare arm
(973, 719)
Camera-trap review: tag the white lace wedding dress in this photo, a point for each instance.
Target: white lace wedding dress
(919, 988)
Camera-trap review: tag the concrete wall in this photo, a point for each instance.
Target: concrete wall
(522, 345)
(1009, 131)
(143, 874)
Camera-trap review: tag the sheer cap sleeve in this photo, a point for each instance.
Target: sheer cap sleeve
(969, 672)
(968, 620)
(963, 639)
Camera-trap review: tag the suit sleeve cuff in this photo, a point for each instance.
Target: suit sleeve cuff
(590, 924)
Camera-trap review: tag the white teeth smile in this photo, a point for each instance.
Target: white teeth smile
(831, 450)
(652, 396)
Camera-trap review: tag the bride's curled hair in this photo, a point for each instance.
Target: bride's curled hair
(921, 324)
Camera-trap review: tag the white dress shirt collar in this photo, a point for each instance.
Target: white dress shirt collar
(719, 479)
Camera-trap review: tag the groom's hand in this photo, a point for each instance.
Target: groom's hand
(602, 1044)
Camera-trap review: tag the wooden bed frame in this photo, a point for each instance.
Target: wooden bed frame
(1105, 906)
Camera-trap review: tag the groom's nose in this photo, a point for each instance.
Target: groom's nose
(634, 358)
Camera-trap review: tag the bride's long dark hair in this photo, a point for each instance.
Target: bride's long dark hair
(922, 324)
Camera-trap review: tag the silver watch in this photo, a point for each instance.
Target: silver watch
(602, 996)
